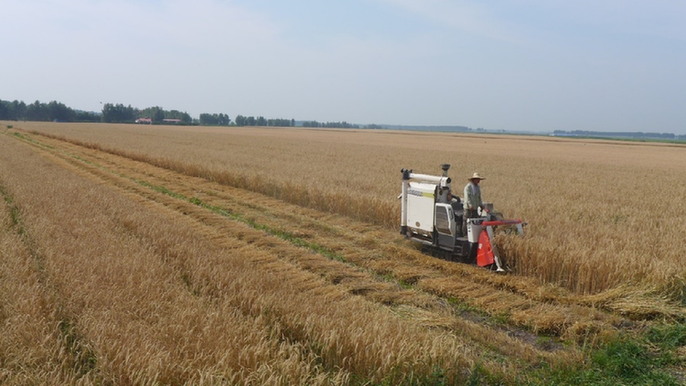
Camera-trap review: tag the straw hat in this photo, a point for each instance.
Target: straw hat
(476, 176)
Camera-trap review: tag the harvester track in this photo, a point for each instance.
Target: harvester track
(493, 310)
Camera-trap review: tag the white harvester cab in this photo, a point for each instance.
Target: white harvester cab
(432, 216)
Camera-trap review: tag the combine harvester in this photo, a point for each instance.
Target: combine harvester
(432, 216)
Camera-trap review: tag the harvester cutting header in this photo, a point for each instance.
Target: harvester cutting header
(446, 226)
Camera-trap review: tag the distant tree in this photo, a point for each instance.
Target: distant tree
(157, 114)
(207, 119)
(373, 126)
(86, 116)
(215, 119)
(5, 110)
(19, 110)
(60, 112)
(37, 112)
(261, 121)
(311, 124)
(280, 122)
(109, 113)
(12, 111)
(344, 125)
(118, 113)
(176, 114)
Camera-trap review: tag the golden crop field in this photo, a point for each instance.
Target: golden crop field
(194, 255)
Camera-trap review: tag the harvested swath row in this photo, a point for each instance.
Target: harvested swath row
(521, 301)
(518, 300)
(359, 280)
(150, 321)
(36, 345)
(341, 273)
(583, 248)
(383, 292)
(143, 325)
(28, 336)
(491, 339)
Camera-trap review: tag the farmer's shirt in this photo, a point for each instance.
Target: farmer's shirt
(472, 196)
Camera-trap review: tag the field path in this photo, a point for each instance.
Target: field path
(509, 316)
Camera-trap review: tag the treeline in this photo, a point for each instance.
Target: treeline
(373, 126)
(111, 113)
(214, 119)
(610, 134)
(120, 113)
(37, 111)
(338, 125)
(262, 121)
(158, 114)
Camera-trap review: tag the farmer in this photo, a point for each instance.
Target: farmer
(472, 199)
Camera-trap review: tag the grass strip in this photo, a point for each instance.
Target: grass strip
(646, 359)
(15, 216)
(31, 140)
(284, 235)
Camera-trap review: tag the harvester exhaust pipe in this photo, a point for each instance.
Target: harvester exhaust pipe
(445, 168)
(403, 197)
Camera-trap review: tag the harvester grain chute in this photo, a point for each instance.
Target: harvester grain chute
(432, 216)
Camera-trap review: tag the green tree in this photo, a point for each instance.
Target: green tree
(12, 111)
(312, 124)
(37, 112)
(118, 113)
(60, 112)
(176, 114)
(157, 114)
(216, 119)
(207, 119)
(86, 116)
(19, 110)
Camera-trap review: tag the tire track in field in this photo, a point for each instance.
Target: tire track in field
(388, 255)
(427, 309)
(381, 267)
(168, 254)
(503, 350)
(76, 349)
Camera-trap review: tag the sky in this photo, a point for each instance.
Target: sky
(518, 65)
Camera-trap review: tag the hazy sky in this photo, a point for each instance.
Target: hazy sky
(604, 65)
